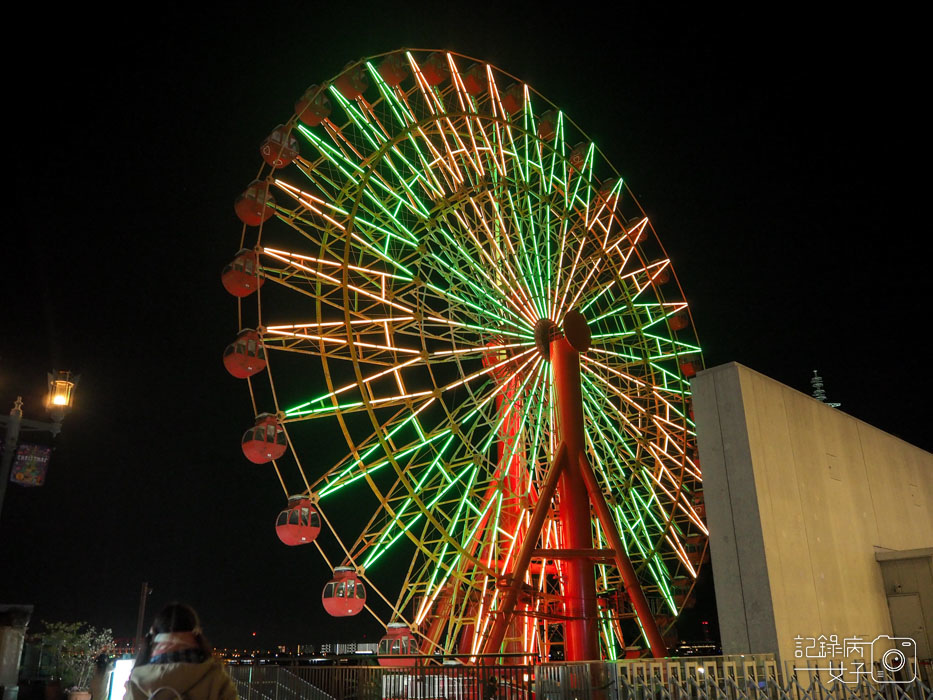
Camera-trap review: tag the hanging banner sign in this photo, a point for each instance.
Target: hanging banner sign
(30, 465)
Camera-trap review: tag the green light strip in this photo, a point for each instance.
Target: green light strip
(334, 155)
(595, 299)
(525, 259)
(331, 487)
(480, 309)
(418, 487)
(376, 555)
(377, 140)
(406, 119)
(452, 528)
(466, 279)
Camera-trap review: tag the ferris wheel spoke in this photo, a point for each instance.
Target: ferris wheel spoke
(370, 397)
(371, 455)
(516, 304)
(389, 536)
(360, 467)
(642, 279)
(373, 205)
(377, 140)
(296, 270)
(456, 253)
(450, 172)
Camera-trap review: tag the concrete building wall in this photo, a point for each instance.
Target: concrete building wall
(799, 498)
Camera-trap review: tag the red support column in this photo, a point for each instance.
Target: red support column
(581, 632)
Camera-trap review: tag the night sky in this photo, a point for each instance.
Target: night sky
(780, 159)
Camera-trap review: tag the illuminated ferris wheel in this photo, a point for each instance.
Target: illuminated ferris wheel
(440, 272)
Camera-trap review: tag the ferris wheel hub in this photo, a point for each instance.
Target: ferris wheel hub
(545, 331)
(576, 330)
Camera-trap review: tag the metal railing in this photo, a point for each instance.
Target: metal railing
(756, 677)
(273, 683)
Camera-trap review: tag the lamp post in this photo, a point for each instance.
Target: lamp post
(58, 403)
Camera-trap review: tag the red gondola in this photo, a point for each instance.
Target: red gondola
(637, 229)
(265, 441)
(397, 642)
(578, 156)
(353, 82)
(241, 277)
(299, 523)
(606, 188)
(394, 69)
(245, 356)
(435, 70)
(474, 80)
(280, 147)
(687, 366)
(678, 322)
(255, 205)
(513, 99)
(664, 276)
(344, 595)
(547, 126)
(313, 106)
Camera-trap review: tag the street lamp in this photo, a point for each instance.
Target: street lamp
(58, 403)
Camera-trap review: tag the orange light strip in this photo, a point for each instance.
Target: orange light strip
(338, 283)
(623, 375)
(439, 159)
(585, 285)
(514, 283)
(299, 193)
(368, 379)
(487, 370)
(353, 321)
(344, 341)
(681, 554)
(336, 135)
(413, 361)
(430, 99)
(615, 390)
(334, 263)
(484, 348)
(497, 102)
(464, 100)
(677, 499)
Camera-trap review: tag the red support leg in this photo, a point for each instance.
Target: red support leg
(629, 579)
(538, 516)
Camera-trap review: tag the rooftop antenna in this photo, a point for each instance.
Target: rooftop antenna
(816, 381)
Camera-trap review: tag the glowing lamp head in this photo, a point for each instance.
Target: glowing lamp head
(61, 393)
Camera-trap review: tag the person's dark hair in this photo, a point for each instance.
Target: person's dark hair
(174, 617)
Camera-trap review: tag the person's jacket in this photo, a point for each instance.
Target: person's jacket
(192, 681)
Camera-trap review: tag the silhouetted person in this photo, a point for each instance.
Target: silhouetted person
(175, 660)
